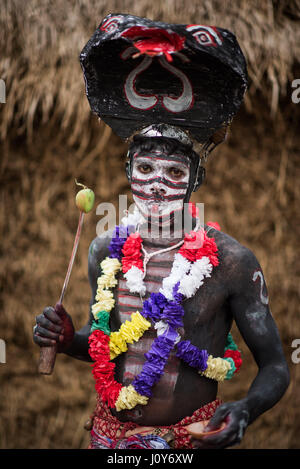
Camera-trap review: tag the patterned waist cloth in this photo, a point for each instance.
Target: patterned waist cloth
(110, 433)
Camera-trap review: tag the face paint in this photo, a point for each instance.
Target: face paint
(263, 297)
(159, 184)
(257, 317)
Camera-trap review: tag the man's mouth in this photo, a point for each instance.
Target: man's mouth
(156, 197)
(155, 208)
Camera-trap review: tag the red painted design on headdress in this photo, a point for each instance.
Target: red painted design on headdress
(155, 41)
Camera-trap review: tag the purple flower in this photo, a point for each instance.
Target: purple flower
(159, 299)
(162, 345)
(149, 375)
(173, 314)
(119, 237)
(157, 358)
(178, 297)
(192, 355)
(153, 306)
(143, 384)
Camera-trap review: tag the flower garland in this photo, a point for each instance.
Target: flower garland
(192, 264)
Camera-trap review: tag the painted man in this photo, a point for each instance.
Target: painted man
(163, 170)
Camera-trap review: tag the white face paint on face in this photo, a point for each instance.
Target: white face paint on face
(159, 184)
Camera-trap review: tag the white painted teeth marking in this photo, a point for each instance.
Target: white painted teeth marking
(263, 298)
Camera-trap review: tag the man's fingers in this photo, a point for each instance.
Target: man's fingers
(42, 341)
(219, 441)
(60, 310)
(52, 317)
(222, 439)
(50, 314)
(235, 416)
(41, 331)
(48, 324)
(50, 329)
(217, 420)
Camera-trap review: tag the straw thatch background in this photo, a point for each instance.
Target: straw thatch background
(49, 137)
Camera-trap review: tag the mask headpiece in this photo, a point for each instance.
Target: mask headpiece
(141, 75)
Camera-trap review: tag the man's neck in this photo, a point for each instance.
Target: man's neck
(160, 236)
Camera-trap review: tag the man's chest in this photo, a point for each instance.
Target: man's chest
(203, 319)
(201, 309)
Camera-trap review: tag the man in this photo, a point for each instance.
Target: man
(232, 293)
(163, 170)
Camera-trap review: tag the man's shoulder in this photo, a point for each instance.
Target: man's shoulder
(99, 246)
(231, 251)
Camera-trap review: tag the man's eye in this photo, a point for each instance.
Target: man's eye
(176, 173)
(145, 168)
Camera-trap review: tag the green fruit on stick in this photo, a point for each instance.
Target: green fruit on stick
(85, 199)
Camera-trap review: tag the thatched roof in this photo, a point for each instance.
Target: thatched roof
(41, 40)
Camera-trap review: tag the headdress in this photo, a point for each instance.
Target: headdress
(140, 72)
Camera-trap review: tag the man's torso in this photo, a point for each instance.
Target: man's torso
(207, 321)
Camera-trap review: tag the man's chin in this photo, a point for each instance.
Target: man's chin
(159, 217)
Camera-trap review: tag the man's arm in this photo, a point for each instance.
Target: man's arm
(98, 250)
(250, 308)
(249, 305)
(51, 328)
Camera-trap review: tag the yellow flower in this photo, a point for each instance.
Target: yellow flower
(134, 329)
(117, 344)
(105, 302)
(217, 368)
(107, 281)
(128, 398)
(129, 332)
(110, 266)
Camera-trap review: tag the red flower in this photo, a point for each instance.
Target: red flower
(132, 245)
(127, 263)
(192, 242)
(110, 393)
(236, 357)
(208, 249)
(214, 224)
(99, 348)
(132, 252)
(198, 244)
(102, 382)
(103, 368)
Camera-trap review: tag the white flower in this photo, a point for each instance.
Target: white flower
(135, 218)
(202, 266)
(192, 281)
(162, 327)
(134, 280)
(180, 268)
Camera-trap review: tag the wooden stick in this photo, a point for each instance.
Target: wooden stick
(48, 354)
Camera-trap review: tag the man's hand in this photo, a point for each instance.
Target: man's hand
(54, 326)
(236, 417)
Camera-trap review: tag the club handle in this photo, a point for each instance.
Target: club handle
(48, 354)
(47, 359)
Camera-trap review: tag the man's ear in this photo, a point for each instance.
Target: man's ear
(128, 170)
(200, 178)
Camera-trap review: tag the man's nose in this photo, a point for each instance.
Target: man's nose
(158, 189)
